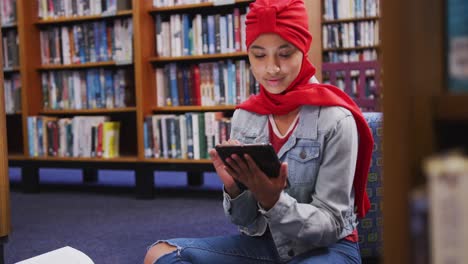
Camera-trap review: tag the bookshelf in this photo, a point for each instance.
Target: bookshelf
(142, 68)
(351, 51)
(5, 221)
(421, 116)
(11, 75)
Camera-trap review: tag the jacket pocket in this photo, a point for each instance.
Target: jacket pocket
(303, 163)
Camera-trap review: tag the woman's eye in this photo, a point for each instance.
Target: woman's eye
(258, 56)
(285, 55)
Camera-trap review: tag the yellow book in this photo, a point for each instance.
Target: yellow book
(111, 138)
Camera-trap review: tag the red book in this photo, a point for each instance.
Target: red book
(99, 141)
(237, 30)
(196, 85)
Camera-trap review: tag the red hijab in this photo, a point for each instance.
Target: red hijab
(288, 18)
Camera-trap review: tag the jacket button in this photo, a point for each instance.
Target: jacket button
(303, 155)
(291, 253)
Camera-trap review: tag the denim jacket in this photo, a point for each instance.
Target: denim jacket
(316, 209)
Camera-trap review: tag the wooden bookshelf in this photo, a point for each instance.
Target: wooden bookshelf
(89, 111)
(197, 7)
(132, 117)
(82, 66)
(233, 55)
(75, 19)
(194, 108)
(451, 107)
(343, 53)
(417, 106)
(352, 49)
(179, 161)
(347, 20)
(9, 25)
(122, 158)
(5, 220)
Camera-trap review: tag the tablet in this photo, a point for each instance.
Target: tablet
(264, 156)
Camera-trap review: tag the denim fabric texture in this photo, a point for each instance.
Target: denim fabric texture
(245, 249)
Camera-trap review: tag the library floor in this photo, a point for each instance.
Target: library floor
(104, 220)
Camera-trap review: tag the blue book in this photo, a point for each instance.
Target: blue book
(457, 45)
(97, 41)
(40, 136)
(109, 88)
(31, 129)
(145, 140)
(103, 39)
(211, 34)
(186, 35)
(97, 88)
(231, 68)
(81, 43)
(89, 90)
(188, 122)
(185, 84)
(173, 84)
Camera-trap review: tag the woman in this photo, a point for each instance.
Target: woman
(307, 214)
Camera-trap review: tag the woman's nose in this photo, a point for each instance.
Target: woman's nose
(272, 68)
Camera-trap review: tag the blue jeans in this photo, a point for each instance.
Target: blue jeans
(243, 249)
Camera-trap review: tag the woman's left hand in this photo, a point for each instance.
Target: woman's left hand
(265, 189)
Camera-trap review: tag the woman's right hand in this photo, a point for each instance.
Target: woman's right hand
(229, 184)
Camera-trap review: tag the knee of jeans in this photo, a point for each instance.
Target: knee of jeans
(158, 250)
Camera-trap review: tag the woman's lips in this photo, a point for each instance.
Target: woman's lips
(274, 82)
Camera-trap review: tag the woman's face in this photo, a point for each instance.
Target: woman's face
(275, 63)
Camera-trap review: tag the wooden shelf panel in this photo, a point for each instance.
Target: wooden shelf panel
(451, 107)
(88, 111)
(81, 159)
(83, 65)
(199, 57)
(180, 8)
(193, 108)
(18, 156)
(10, 25)
(12, 69)
(347, 20)
(14, 114)
(178, 161)
(352, 49)
(61, 20)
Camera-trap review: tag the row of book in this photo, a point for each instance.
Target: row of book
(80, 136)
(199, 34)
(348, 9)
(10, 48)
(351, 35)
(166, 3)
(97, 41)
(87, 89)
(186, 136)
(12, 91)
(351, 87)
(350, 56)
(8, 12)
(49, 9)
(212, 83)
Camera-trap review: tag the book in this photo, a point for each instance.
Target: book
(457, 45)
(448, 214)
(111, 139)
(65, 254)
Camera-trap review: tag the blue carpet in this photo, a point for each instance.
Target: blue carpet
(163, 179)
(110, 227)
